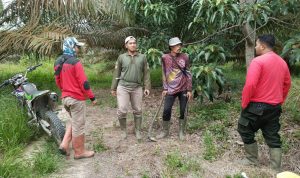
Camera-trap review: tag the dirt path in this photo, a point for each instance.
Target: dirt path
(127, 158)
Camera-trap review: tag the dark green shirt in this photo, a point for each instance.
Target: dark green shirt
(130, 71)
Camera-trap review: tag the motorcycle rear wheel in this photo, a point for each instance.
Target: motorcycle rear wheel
(56, 127)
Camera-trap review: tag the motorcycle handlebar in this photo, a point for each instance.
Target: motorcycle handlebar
(4, 83)
(33, 67)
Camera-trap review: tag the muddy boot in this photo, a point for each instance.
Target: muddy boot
(182, 129)
(251, 152)
(138, 125)
(165, 130)
(123, 126)
(79, 151)
(275, 159)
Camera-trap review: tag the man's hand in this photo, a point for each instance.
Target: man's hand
(189, 95)
(146, 92)
(94, 102)
(113, 92)
(164, 93)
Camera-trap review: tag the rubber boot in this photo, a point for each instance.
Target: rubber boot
(251, 152)
(165, 130)
(275, 159)
(138, 125)
(123, 126)
(182, 129)
(79, 151)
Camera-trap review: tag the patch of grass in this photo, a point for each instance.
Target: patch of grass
(9, 167)
(219, 131)
(156, 77)
(14, 130)
(177, 164)
(234, 176)
(45, 162)
(145, 175)
(98, 145)
(210, 150)
(48, 160)
(108, 100)
(292, 104)
(202, 115)
(285, 144)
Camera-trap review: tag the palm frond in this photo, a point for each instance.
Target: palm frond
(42, 40)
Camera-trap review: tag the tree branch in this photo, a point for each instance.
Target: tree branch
(250, 34)
(208, 37)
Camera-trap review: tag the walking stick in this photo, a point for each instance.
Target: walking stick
(150, 137)
(186, 114)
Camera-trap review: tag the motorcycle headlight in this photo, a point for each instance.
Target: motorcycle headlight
(53, 96)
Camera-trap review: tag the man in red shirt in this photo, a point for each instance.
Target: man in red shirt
(73, 83)
(267, 84)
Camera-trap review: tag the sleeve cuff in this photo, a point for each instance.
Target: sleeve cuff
(92, 99)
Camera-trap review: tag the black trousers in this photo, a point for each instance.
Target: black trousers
(169, 101)
(260, 116)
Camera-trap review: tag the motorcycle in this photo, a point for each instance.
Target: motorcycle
(40, 105)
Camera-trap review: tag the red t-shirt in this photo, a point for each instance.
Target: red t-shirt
(268, 80)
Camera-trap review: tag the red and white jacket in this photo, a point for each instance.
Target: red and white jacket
(71, 79)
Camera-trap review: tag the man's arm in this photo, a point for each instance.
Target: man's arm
(147, 81)
(286, 84)
(83, 82)
(252, 78)
(57, 77)
(164, 80)
(189, 77)
(116, 75)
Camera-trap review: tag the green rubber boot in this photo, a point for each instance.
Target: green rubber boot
(123, 126)
(275, 159)
(138, 125)
(165, 130)
(251, 153)
(182, 123)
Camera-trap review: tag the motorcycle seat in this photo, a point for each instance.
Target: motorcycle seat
(30, 89)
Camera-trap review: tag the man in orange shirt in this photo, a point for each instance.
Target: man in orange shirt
(267, 84)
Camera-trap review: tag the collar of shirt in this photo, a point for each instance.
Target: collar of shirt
(135, 54)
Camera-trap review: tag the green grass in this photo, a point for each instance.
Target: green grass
(44, 162)
(14, 130)
(48, 160)
(98, 141)
(210, 150)
(178, 165)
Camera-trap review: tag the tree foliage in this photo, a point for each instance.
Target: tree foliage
(212, 30)
(40, 26)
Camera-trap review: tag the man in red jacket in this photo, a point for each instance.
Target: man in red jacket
(267, 84)
(72, 81)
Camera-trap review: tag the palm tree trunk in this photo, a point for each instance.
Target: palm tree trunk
(249, 33)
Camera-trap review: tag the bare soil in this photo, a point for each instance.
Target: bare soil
(128, 158)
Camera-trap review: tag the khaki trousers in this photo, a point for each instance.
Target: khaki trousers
(77, 110)
(126, 95)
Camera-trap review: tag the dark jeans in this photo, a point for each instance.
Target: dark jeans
(169, 101)
(260, 116)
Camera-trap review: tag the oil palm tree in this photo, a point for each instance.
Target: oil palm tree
(30, 26)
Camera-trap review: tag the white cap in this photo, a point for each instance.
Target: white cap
(129, 38)
(174, 41)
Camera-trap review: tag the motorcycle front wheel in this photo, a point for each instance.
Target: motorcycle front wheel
(56, 127)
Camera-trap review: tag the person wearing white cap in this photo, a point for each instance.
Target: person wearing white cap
(177, 82)
(72, 81)
(131, 72)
